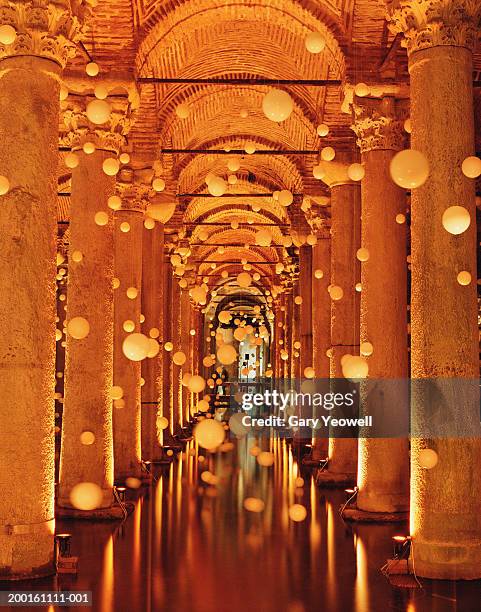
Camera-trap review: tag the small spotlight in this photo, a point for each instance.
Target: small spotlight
(63, 544)
(350, 493)
(121, 492)
(401, 545)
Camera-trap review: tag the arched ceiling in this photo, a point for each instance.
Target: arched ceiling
(252, 40)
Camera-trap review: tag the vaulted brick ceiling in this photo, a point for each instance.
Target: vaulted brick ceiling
(200, 39)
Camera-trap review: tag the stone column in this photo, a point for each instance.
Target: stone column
(127, 373)
(167, 403)
(30, 71)
(305, 289)
(383, 463)
(283, 336)
(275, 348)
(153, 308)
(345, 241)
(175, 371)
(90, 294)
(184, 346)
(445, 501)
(321, 323)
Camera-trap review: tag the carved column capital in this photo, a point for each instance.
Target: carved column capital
(434, 23)
(135, 196)
(45, 28)
(335, 173)
(79, 130)
(379, 124)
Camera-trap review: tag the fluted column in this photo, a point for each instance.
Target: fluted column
(87, 442)
(127, 373)
(153, 309)
(30, 71)
(383, 463)
(445, 501)
(345, 241)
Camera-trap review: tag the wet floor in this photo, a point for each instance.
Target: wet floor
(192, 547)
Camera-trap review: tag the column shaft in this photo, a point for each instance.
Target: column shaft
(305, 287)
(345, 206)
(383, 469)
(89, 362)
(176, 372)
(184, 346)
(127, 373)
(445, 500)
(29, 159)
(153, 296)
(321, 325)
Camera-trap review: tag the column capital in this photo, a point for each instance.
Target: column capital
(335, 173)
(45, 28)
(434, 23)
(109, 136)
(134, 195)
(379, 124)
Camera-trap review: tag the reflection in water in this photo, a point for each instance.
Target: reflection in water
(107, 577)
(192, 547)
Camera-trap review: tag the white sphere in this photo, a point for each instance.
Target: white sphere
(409, 169)
(322, 129)
(277, 105)
(98, 111)
(328, 154)
(456, 219)
(7, 34)
(315, 42)
(136, 347)
(182, 111)
(285, 197)
(4, 185)
(78, 328)
(356, 172)
(217, 186)
(226, 354)
(354, 367)
(244, 280)
(471, 167)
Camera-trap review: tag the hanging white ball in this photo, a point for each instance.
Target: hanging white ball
(277, 105)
